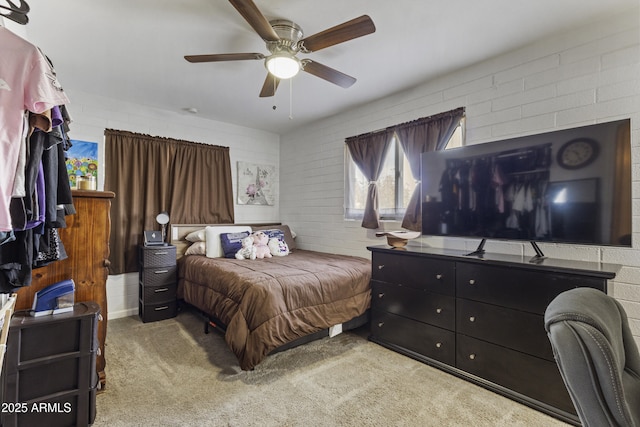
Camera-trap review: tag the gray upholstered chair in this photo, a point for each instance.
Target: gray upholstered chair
(597, 357)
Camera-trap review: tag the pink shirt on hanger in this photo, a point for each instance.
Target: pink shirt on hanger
(27, 82)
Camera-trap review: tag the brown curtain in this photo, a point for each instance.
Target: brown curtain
(420, 136)
(368, 152)
(621, 221)
(190, 181)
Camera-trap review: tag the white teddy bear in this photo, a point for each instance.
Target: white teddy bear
(248, 251)
(278, 247)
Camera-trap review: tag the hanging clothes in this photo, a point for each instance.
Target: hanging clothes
(34, 183)
(27, 82)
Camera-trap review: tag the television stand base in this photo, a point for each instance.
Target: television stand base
(539, 256)
(480, 250)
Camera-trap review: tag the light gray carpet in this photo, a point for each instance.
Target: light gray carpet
(169, 373)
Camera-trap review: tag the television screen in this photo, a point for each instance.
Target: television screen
(568, 186)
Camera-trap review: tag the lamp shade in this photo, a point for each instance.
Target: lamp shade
(282, 66)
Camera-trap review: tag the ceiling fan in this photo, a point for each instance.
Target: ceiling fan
(285, 40)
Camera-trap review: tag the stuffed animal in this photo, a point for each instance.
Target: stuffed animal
(260, 241)
(278, 247)
(248, 251)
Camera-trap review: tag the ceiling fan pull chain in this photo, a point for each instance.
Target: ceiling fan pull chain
(290, 99)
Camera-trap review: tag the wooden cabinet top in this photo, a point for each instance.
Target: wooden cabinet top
(593, 269)
(93, 194)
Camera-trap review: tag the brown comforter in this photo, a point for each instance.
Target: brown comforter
(266, 303)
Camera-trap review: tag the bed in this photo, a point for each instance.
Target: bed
(266, 305)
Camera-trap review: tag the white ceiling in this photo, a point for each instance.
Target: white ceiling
(133, 50)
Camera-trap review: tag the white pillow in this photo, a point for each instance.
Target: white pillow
(212, 233)
(196, 236)
(198, 248)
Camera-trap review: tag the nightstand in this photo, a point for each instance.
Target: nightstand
(157, 283)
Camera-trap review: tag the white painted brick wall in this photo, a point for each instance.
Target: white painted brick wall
(583, 76)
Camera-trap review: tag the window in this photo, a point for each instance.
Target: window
(395, 184)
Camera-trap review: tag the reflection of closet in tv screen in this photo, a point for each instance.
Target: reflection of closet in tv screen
(502, 195)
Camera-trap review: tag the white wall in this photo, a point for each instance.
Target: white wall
(92, 115)
(586, 75)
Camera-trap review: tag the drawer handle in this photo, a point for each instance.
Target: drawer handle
(438, 276)
(160, 271)
(472, 319)
(380, 267)
(438, 310)
(380, 325)
(472, 356)
(164, 307)
(472, 282)
(381, 295)
(438, 344)
(161, 290)
(161, 253)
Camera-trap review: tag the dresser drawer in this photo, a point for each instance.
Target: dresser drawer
(417, 304)
(531, 376)
(427, 340)
(510, 328)
(415, 272)
(157, 257)
(516, 288)
(157, 294)
(159, 275)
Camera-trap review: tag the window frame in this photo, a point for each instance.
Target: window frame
(398, 211)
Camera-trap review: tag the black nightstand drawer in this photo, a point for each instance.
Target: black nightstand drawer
(158, 294)
(159, 275)
(160, 311)
(157, 256)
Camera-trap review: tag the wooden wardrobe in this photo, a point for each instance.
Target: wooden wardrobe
(86, 241)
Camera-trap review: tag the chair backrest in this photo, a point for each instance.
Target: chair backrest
(597, 357)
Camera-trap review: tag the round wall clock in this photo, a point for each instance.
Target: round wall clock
(578, 153)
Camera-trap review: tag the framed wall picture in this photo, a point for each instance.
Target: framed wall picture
(257, 184)
(82, 160)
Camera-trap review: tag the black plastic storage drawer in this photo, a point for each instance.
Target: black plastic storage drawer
(159, 311)
(157, 256)
(50, 368)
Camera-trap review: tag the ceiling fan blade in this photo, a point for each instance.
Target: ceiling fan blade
(256, 19)
(346, 31)
(270, 86)
(328, 74)
(223, 57)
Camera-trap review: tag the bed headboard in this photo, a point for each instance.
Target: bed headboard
(178, 232)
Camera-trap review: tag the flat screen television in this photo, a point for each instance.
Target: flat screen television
(568, 186)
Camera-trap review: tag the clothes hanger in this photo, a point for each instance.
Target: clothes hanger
(17, 13)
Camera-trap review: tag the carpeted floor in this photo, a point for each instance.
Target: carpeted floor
(169, 373)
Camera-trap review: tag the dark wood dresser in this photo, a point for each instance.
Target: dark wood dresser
(86, 241)
(478, 318)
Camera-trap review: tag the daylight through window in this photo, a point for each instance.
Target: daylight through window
(395, 184)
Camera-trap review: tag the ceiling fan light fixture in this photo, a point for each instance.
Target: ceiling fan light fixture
(282, 65)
